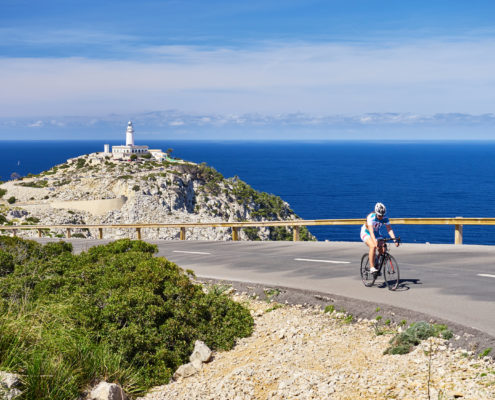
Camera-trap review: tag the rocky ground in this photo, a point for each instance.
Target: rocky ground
(302, 352)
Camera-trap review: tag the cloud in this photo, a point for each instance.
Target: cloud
(423, 77)
(36, 124)
(176, 119)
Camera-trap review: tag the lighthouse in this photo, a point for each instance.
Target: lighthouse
(129, 135)
(129, 148)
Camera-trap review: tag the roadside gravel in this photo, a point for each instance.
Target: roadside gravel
(301, 352)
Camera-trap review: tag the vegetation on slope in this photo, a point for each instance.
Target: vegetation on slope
(115, 312)
(262, 205)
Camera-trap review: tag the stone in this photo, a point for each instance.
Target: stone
(12, 394)
(185, 371)
(9, 380)
(197, 363)
(107, 391)
(201, 352)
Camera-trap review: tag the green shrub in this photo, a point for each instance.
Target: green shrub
(133, 157)
(62, 182)
(135, 188)
(251, 232)
(11, 200)
(78, 235)
(34, 184)
(2, 192)
(330, 309)
(81, 162)
(115, 312)
(485, 352)
(33, 220)
(6, 263)
(404, 342)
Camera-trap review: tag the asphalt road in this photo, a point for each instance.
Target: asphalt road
(455, 283)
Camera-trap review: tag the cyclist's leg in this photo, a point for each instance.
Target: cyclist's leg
(381, 245)
(366, 238)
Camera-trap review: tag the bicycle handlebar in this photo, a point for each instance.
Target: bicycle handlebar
(397, 239)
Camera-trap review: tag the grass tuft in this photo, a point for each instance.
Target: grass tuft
(404, 342)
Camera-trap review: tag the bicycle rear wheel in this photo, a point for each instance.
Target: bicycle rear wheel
(391, 272)
(366, 276)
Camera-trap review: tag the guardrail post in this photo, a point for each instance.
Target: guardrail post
(39, 233)
(138, 231)
(100, 233)
(235, 233)
(14, 232)
(68, 233)
(296, 231)
(182, 233)
(458, 233)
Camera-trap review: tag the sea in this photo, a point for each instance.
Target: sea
(330, 179)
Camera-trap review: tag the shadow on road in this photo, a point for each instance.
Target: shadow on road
(403, 284)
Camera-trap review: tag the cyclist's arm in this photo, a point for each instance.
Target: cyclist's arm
(391, 232)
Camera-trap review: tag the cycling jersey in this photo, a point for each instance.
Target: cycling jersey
(377, 224)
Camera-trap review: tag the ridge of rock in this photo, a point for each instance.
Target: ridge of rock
(97, 189)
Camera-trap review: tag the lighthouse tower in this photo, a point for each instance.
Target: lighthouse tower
(129, 135)
(123, 152)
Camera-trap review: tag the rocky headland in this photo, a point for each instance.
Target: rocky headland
(98, 189)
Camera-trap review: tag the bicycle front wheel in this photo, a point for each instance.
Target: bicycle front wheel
(366, 276)
(391, 272)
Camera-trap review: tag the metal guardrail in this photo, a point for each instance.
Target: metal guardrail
(458, 222)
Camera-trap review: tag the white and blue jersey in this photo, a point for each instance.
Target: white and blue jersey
(377, 224)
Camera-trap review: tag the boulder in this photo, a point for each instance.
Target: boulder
(9, 384)
(107, 391)
(201, 352)
(185, 371)
(9, 380)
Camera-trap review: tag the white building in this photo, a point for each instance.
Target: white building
(129, 148)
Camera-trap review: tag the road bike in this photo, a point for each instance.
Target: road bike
(385, 262)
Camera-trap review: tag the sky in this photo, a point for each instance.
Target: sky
(218, 69)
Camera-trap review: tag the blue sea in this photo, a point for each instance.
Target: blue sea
(331, 179)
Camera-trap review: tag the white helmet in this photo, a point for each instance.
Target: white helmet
(380, 209)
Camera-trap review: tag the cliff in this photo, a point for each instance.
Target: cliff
(96, 189)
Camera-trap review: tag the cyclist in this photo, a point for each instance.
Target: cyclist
(371, 232)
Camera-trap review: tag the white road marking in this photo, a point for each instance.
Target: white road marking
(190, 252)
(322, 261)
(487, 275)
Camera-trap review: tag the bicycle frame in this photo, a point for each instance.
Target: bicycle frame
(391, 269)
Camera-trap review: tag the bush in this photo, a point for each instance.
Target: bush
(34, 184)
(81, 162)
(11, 200)
(33, 220)
(115, 312)
(135, 188)
(404, 342)
(78, 235)
(6, 263)
(2, 192)
(133, 157)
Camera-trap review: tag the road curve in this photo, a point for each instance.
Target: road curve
(455, 283)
